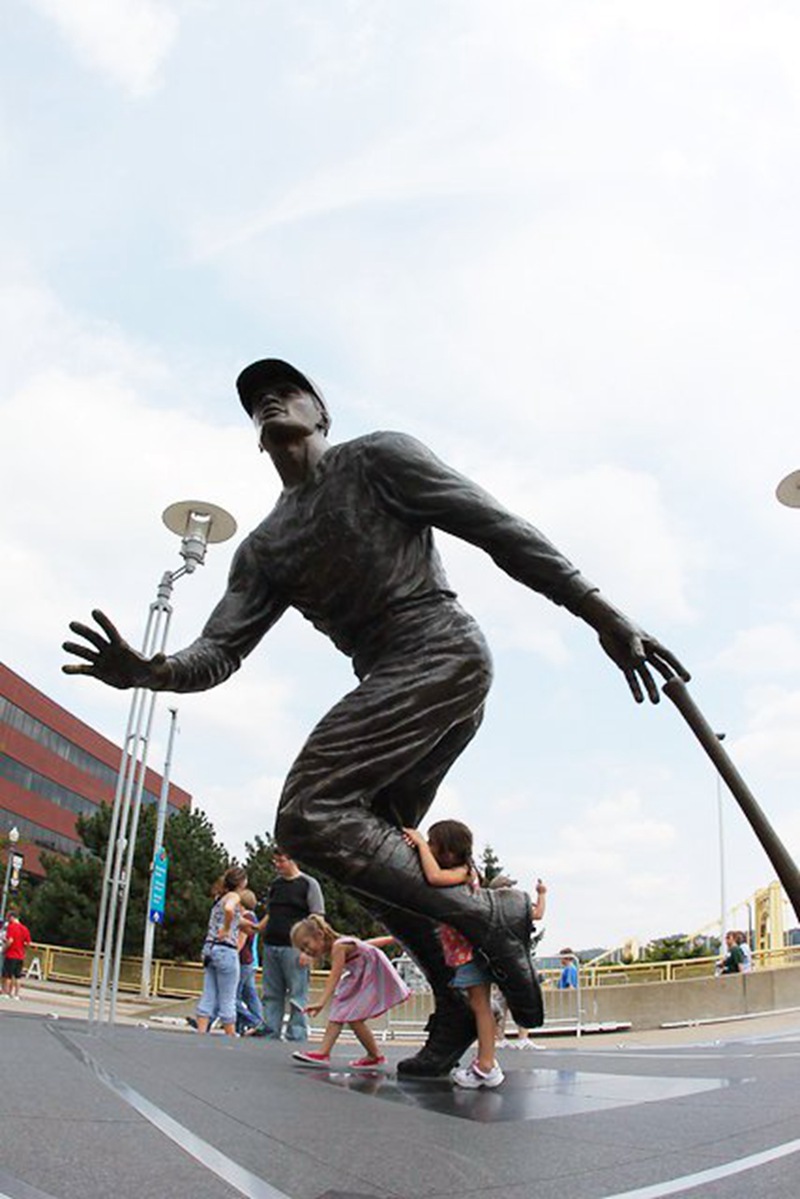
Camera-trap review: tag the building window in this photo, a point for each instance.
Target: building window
(39, 784)
(17, 718)
(36, 834)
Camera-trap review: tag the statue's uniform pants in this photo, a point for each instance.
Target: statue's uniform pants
(373, 765)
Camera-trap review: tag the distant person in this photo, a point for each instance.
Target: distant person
(292, 896)
(446, 860)
(362, 984)
(16, 939)
(568, 980)
(221, 953)
(733, 962)
(744, 945)
(499, 1001)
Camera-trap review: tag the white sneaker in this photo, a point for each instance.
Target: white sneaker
(472, 1076)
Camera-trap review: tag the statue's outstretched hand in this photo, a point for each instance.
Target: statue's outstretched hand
(632, 650)
(111, 660)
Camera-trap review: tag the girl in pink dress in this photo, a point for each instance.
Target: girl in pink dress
(362, 983)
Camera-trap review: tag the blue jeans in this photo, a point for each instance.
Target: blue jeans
(220, 982)
(248, 1004)
(284, 980)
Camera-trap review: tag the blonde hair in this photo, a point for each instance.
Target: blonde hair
(248, 900)
(313, 926)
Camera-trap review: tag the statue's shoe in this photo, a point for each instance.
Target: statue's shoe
(451, 1031)
(506, 948)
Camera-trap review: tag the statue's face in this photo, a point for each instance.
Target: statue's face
(284, 413)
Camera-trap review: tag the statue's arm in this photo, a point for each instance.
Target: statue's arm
(425, 490)
(241, 618)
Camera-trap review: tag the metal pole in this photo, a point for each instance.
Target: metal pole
(783, 864)
(578, 1013)
(723, 907)
(109, 894)
(198, 524)
(6, 885)
(162, 615)
(124, 820)
(161, 820)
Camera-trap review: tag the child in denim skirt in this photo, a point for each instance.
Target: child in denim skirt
(446, 861)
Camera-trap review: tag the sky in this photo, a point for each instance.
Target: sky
(557, 242)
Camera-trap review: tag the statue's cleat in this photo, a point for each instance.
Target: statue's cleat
(506, 948)
(451, 1031)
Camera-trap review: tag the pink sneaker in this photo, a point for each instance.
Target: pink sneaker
(309, 1058)
(367, 1063)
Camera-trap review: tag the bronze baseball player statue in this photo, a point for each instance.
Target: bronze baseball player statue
(349, 544)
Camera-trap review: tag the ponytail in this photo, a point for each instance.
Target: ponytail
(233, 877)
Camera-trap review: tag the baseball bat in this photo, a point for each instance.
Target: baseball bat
(785, 868)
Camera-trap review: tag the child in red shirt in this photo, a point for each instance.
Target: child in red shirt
(16, 939)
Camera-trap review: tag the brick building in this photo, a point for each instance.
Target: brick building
(54, 767)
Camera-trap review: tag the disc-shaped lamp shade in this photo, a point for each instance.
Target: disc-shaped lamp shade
(197, 524)
(788, 490)
(195, 517)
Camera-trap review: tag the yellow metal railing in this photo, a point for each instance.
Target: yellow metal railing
(178, 980)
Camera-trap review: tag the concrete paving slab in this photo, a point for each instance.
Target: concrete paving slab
(135, 1112)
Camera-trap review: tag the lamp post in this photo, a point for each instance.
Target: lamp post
(720, 830)
(158, 864)
(198, 524)
(13, 838)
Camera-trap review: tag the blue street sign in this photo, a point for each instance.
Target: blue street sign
(158, 887)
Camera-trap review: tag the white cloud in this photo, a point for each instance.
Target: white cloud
(241, 812)
(764, 651)
(572, 278)
(597, 847)
(125, 40)
(770, 741)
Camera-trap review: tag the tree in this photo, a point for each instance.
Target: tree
(674, 948)
(63, 909)
(196, 860)
(489, 864)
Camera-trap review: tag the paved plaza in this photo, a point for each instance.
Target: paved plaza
(141, 1111)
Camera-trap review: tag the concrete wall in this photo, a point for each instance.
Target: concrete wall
(650, 1005)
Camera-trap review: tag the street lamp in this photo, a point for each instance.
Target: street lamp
(788, 490)
(720, 830)
(13, 837)
(198, 524)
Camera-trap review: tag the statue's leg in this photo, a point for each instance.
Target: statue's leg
(451, 1026)
(336, 812)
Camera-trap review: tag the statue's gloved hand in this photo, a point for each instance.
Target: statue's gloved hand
(632, 649)
(111, 660)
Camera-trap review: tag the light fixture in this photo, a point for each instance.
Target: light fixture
(198, 525)
(788, 490)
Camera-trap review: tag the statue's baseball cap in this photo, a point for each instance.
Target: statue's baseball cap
(274, 372)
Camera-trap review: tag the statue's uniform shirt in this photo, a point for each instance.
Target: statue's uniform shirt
(351, 548)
